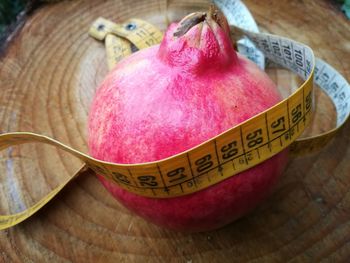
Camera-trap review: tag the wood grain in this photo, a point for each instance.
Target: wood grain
(48, 76)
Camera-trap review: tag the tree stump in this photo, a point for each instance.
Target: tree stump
(48, 76)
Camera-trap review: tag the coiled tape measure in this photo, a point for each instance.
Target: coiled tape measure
(229, 153)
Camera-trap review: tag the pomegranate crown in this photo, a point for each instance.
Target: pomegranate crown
(193, 19)
(199, 42)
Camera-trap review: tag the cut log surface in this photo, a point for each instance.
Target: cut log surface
(48, 76)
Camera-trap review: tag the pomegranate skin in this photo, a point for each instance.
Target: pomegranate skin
(171, 97)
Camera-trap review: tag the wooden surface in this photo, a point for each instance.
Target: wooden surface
(48, 76)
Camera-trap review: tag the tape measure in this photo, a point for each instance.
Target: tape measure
(229, 153)
(123, 39)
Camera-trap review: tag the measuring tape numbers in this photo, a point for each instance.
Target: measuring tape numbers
(227, 154)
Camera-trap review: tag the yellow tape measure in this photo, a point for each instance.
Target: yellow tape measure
(122, 39)
(223, 156)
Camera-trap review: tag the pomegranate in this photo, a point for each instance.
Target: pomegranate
(171, 97)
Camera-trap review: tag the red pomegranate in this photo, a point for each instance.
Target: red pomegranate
(171, 97)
